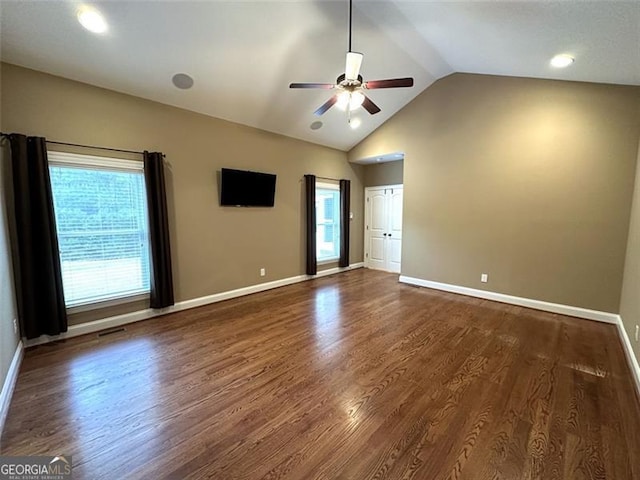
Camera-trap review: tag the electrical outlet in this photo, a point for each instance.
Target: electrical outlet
(263, 272)
(484, 278)
(637, 331)
(15, 326)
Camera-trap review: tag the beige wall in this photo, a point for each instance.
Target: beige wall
(8, 311)
(215, 249)
(527, 180)
(630, 301)
(387, 173)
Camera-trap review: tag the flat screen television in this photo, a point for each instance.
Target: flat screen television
(240, 188)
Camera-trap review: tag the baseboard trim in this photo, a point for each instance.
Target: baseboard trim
(520, 301)
(10, 384)
(628, 351)
(120, 320)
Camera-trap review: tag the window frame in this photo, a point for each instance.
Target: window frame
(112, 164)
(336, 188)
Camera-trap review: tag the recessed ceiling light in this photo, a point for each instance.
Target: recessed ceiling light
(182, 81)
(355, 123)
(316, 125)
(92, 19)
(561, 61)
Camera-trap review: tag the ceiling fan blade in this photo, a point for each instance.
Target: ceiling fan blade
(352, 67)
(369, 106)
(326, 106)
(390, 83)
(327, 86)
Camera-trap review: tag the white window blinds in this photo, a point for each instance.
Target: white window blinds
(327, 222)
(101, 219)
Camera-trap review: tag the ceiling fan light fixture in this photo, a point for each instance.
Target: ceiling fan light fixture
(343, 100)
(356, 100)
(350, 100)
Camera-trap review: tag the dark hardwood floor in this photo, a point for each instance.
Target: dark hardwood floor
(353, 376)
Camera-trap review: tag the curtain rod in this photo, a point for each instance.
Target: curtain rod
(90, 146)
(329, 178)
(93, 146)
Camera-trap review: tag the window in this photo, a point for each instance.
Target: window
(100, 210)
(327, 222)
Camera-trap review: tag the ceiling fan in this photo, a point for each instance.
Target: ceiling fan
(350, 85)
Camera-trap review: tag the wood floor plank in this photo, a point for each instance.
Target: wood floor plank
(353, 376)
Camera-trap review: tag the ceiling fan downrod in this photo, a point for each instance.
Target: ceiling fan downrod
(350, 24)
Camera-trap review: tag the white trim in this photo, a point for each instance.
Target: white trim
(628, 351)
(119, 320)
(10, 383)
(523, 302)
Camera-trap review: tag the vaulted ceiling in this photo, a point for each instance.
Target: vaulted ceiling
(243, 55)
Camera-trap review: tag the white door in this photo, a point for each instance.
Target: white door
(394, 232)
(383, 227)
(377, 229)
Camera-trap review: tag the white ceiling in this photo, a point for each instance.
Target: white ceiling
(243, 55)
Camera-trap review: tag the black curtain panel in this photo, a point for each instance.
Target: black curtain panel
(345, 207)
(161, 274)
(310, 196)
(38, 275)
